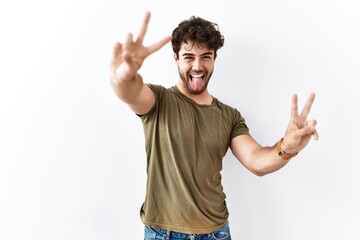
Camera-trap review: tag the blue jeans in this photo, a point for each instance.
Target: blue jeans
(162, 234)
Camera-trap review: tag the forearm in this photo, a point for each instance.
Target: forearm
(139, 97)
(127, 89)
(256, 158)
(267, 160)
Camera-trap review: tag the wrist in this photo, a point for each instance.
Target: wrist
(283, 154)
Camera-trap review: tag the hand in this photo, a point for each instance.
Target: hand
(299, 130)
(129, 57)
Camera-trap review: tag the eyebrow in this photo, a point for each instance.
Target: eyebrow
(191, 54)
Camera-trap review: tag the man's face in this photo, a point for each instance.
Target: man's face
(195, 65)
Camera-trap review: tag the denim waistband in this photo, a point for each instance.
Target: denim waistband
(223, 232)
(174, 234)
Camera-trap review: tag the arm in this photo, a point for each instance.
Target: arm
(127, 60)
(263, 160)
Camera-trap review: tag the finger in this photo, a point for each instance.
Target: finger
(117, 49)
(312, 123)
(316, 135)
(143, 28)
(307, 107)
(116, 56)
(159, 44)
(294, 106)
(129, 39)
(305, 132)
(308, 130)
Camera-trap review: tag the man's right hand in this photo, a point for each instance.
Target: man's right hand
(129, 56)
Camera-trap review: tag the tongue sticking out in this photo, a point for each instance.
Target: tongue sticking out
(196, 83)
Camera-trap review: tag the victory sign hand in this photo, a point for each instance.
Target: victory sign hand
(300, 129)
(129, 56)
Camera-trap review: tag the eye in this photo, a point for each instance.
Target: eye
(189, 59)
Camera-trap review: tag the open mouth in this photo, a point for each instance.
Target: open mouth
(197, 81)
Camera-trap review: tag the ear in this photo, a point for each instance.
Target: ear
(176, 58)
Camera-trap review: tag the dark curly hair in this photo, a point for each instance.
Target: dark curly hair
(198, 31)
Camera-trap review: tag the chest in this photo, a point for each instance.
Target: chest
(206, 127)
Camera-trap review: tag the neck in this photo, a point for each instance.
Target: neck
(203, 98)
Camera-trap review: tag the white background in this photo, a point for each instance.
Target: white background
(72, 160)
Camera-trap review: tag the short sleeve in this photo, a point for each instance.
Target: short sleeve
(239, 127)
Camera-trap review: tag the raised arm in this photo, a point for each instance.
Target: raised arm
(263, 160)
(126, 61)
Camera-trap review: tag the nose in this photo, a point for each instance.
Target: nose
(196, 64)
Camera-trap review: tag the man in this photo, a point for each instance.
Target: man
(188, 132)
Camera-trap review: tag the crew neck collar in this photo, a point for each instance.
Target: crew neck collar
(177, 91)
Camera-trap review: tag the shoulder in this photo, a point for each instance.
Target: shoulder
(233, 115)
(226, 107)
(163, 98)
(156, 88)
(159, 90)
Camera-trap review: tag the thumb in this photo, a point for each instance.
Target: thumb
(309, 130)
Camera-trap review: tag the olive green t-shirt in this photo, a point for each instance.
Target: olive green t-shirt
(185, 145)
